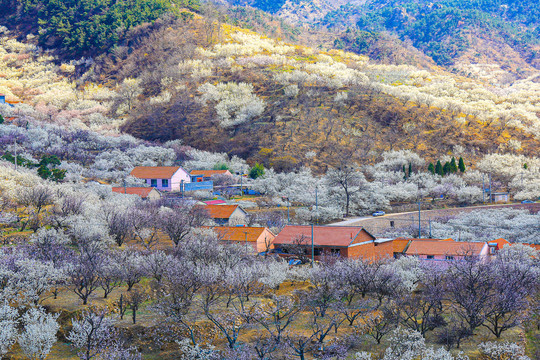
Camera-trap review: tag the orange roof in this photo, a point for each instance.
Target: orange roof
(238, 233)
(500, 243)
(340, 236)
(399, 245)
(154, 172)
(220, 211)
(437, 247)
(534, 246)
(141, 191)
(209, 173)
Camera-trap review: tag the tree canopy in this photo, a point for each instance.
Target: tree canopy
(89, 26)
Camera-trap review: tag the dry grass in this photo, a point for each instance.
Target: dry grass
(69, 304)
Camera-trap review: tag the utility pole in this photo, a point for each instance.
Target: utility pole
(483, 189)
(245, 232)
(312, 231)
(125, 189)
(241, 180)
(431, 237)
(312, 245)
(419, 220)
(317, 203)
(288, 214)
(490, 196)
(316, 197)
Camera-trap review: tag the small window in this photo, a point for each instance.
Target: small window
(335, 251)
(430, 257)
(317, 251)
(449, 258)
(153, 182)
(164, 182)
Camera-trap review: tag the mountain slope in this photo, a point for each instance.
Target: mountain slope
(310, 107)
(448, 31)
(222, 88)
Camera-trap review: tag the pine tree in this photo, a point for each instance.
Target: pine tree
(446, 168)
(404, 173)
(431, 168)
(453, 167)
(439, 168)
(461, 165)
(410, 169)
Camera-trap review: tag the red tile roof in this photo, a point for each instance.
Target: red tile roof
(220, 211)
(141, 191)
(339, 236)
(154, 172)
(238, 233)
(437, 247)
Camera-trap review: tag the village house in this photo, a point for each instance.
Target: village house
(431, 249)
(345, 241)
(206, 175)
(149, 193)
(163, 178)
(4, 100)
(378, 249)
(499, 197)
(260, 239)
(227, 215)
(448, 249)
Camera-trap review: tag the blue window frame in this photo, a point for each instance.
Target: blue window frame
(164, 183)
(153, 182)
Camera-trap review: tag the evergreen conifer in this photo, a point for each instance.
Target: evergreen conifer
(461, 165)
(439, 168)
(453, 166)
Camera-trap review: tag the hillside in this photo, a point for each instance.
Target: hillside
(451, 32)
(328, 104)
(221, 88)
